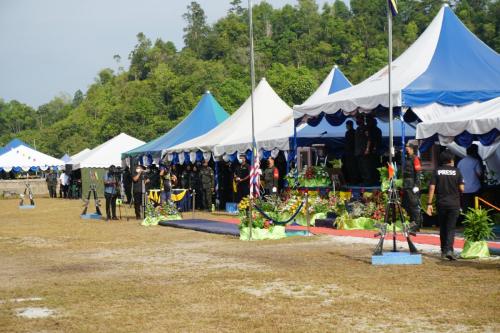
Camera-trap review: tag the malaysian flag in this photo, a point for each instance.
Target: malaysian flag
(255, 173)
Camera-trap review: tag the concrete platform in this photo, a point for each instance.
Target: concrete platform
(27, 206)
(92, 216)
(397, 258)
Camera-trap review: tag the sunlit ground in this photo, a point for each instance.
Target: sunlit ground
(93, 276)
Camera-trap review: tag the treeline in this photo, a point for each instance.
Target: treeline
(296, 46)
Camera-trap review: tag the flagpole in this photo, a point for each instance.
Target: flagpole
(252, 77)
(391, 124)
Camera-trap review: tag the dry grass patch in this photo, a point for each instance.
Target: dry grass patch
(121, 277)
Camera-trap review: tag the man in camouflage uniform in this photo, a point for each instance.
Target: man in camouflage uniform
(411, 186)
(207, 185)
(52, 183)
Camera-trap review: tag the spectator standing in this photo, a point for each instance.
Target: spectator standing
(349, 165)
(448, 184)
(472, 171)
(139, 189)
(375, 138)
(64, 184)
(362, 150)
(110, 192)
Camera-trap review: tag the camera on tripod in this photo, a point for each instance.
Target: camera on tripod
(116, 171)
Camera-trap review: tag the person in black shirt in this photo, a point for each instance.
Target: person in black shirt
(448, 184)
(412, 171)
(362, 149)
(127, 184)
(375, 139)
(349, 166)
(139, 189)
(242, 177)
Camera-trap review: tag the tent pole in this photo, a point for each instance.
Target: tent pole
(252, 77)
(391, 124)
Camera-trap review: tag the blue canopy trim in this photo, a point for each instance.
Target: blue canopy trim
(463, 69)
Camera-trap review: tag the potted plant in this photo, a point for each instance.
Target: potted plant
(478, 228)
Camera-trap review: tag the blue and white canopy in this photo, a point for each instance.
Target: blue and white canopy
(13, 144)
(277, 137)
(23, 158)
(447, 64)
(204, 117)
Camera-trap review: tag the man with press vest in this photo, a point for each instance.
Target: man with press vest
(448, 184)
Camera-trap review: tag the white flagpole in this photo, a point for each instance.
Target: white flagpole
(391, 123)
(252, 77)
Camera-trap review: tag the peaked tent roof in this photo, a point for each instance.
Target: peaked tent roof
(204, 117)
(16, 143)
(25, 158)
(79, 156)
(65, 158)
(108, 153)
(269, 109)
(278, 136)
(447, 64)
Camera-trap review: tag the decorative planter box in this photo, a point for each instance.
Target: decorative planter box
(276, 232)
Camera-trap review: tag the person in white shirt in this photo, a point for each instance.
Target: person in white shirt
(63, 185)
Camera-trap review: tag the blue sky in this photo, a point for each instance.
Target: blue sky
(51, 47)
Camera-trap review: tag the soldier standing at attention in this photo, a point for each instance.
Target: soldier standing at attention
(242, 177)
(207, 184)
(271, 177)
(52, 183)
(411, 187)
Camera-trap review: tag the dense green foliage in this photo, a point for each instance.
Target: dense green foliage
(296, 46)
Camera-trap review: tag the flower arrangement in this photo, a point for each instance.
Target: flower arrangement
(155, 214)
(310, 176)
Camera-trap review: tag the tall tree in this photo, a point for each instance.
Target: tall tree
(197, 29)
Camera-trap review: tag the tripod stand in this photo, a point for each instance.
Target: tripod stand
(30, 195)
(393, 207)
(92, 190)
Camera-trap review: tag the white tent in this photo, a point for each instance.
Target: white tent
(450, 121)
(25, 158)
(74, 159)
(108, 153)
(269, 110)
(278, 136)
(447, 64)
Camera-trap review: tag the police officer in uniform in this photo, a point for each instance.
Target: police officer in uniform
(448, 184)
(271, 177)
(207, 184)
(411, 186)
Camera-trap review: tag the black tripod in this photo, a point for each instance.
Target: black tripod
(92, 190)
(30, 195)
(393, 208)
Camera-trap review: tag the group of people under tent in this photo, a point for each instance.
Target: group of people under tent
(362, 151)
